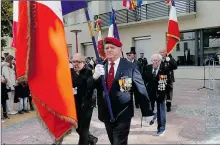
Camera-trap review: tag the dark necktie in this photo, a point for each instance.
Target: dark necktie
(155, 73)
(111, 77)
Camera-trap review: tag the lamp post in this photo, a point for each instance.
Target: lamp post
(76, 33)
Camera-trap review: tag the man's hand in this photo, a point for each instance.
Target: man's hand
(99, 70)
(167, 58)
(4, 80)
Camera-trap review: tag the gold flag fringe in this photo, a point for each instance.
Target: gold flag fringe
(68, 119)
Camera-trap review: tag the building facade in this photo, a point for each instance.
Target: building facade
(146, 28)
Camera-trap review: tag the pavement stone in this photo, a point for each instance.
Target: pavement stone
(195, 119)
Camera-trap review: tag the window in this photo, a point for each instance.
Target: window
(185, 46)
(188, 51)
(178, 47)
(185, 50)
(212, 45)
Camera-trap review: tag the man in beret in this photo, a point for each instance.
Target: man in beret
(122, 77)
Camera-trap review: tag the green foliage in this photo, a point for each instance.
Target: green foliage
(6, 17)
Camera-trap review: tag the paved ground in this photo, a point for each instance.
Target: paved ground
(195, 118)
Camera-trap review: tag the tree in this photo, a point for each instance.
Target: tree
(6, 18)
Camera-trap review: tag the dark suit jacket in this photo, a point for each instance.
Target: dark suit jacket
(85, 86)
(152, 83)
(122, 102)
(170, 66)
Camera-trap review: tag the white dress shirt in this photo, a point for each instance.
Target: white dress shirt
(115, 65)
(156, 70)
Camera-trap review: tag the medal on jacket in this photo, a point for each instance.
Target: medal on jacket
(162, 82)
(125, 84)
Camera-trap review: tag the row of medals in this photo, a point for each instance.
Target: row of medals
(162, 82)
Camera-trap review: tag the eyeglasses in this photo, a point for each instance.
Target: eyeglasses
(77, 61)
(153, 60)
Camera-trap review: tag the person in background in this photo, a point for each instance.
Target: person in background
(88, 60)
(170, 64)
(83, 87)
(157, 91)
(4, 97)
(127, 54)
(131, 58)
(142, 64)
(23, 92)
(8, 73)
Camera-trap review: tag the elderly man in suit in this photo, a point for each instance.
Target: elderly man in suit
(156, 81)
(122, 77)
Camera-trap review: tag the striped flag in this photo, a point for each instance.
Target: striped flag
(132, 4)
(101, 50)
(113, 29)
(41, 41)
(173, 34)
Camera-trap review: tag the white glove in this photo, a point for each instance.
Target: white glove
(99, 70)
(167, 58)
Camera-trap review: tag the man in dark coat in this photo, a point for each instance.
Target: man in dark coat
(142, 64)
(83, 92)
(131, 58)
(122, 77)
(170, 64)
(155, 80)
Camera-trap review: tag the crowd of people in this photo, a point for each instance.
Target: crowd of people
(130, 82)
(13, 91)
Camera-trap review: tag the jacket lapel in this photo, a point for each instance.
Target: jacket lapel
(106, 70)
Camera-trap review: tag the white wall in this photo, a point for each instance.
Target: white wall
(207, 15)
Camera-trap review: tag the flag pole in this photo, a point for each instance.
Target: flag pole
(100, 62)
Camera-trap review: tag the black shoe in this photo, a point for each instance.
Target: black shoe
(168, 109)
(32, 109)
(92, 140)
(26, 111)
(151, 122)
(20, 112)
(5, 116)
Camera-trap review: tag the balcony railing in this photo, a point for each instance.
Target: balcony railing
(148, 11)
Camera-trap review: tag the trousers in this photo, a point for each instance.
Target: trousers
(160, 115)
(84, 119)
(118, 132)
(10, 101)
(23, 104)
(169, 94)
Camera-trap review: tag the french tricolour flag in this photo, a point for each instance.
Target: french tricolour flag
(113, 29)
(41, 35)
(173, 34)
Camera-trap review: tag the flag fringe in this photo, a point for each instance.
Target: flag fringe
(28, 37)
(170, 35)
(22, 78)
(75, 124)
(60, 139)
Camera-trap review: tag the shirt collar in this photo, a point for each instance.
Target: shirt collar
(116, 62)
